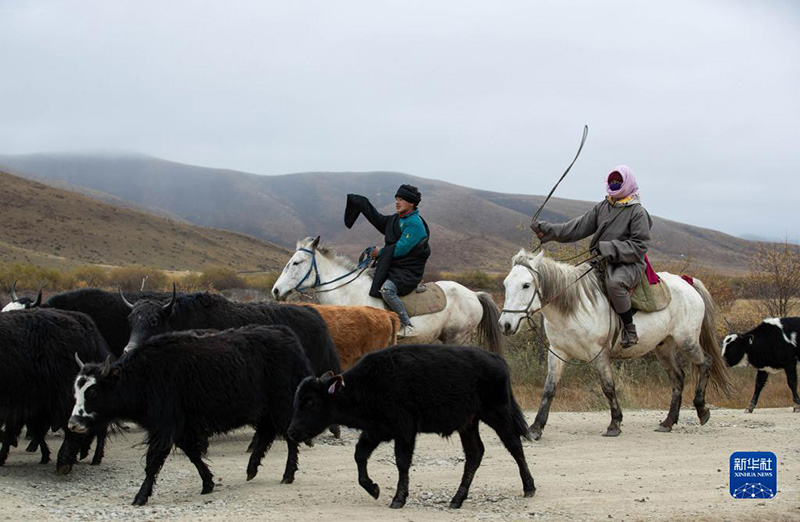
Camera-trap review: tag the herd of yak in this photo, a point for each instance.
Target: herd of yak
(186, 367)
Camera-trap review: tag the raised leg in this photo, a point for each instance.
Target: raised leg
(403, 453)
(263, 440)
(500, 420)
(666, 355)
(193, 450)
(555, 368)
(603, 366)
(761, 380)
(364, 447)
(791, 380)
(68, 452)
(157, 453)
(473, 453)
(291, 462)
(702, 362)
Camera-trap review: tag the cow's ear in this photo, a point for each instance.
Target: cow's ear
(336, 384)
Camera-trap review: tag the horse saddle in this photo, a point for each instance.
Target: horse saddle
(650, 295)
(428, 301)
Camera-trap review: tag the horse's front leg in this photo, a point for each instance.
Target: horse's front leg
(555, 367)
(603, 366)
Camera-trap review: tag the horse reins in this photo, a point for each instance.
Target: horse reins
(363, 265)
(529, 314)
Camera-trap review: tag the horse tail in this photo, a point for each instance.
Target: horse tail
(489, 333)
(720, 378)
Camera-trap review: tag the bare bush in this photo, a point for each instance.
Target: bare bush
(774, 280)
(130, 278)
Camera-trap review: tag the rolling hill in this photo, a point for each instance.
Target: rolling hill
(54, 227)
(470, 228)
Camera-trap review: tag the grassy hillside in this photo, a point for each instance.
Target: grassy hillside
(54, 227)
(470, 228)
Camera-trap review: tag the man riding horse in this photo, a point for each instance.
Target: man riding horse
(621, 228)
(401, 261)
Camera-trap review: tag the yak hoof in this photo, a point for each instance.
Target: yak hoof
(45, 460)
(336, 431)
(33, 446)
(529, 493)
(287, 480)
(251, 475)
(704, 417)
(207, 488)
(455, 504)
(612, 432)
(139, 500)
(373, 489)
(397, 504)
(663, 429)
(63, 469)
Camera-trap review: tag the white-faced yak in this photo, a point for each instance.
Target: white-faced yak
(184, 387)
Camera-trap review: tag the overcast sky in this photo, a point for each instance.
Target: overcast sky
(700, 98)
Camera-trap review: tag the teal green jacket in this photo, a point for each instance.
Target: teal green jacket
(412, 231)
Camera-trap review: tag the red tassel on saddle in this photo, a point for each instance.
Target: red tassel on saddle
(652, 277)
(688, 279)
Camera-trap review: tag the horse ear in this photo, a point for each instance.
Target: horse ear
(315, 243)
(538, 257)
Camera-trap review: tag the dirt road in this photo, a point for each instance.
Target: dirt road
(642, 475)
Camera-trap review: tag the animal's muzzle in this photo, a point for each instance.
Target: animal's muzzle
(77, 425)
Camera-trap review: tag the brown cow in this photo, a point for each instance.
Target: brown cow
(358, 330)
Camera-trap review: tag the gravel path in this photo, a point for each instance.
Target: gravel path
(642, 475)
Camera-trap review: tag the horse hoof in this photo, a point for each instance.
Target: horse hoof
(704, 417)
(663, 429)
(536, 433)
(612, 432)
(796, 408)
(748, 410)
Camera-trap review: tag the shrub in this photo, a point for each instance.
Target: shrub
(130, 278)
(220, 278)
(91, 276)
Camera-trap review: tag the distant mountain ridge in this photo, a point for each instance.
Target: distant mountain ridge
(52, 227)
(471, 229)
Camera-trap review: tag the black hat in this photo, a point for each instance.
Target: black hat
(409, 193)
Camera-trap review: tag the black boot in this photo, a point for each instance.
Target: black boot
(629, 337)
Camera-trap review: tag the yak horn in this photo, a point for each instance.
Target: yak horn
(14, 291)
(168, 306)
(122, 296)
(78, 360)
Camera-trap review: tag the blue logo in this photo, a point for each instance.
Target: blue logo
(754, 474)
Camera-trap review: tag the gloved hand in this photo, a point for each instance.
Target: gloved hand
(539, 228)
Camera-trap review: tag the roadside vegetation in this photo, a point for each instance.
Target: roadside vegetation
(771, 288)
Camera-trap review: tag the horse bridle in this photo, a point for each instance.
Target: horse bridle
(529, 315)
(362, 266)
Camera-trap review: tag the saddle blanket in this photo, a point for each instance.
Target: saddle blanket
(430, 301)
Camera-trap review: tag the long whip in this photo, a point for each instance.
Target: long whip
(564, 175)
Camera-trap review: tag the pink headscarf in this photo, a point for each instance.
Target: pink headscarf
(629, 186)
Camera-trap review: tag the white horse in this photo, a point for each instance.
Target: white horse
(338, 281)
(581, 324)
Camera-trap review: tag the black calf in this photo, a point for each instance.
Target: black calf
(395, 393)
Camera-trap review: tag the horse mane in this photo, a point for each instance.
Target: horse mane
(329, 253)
(556, 277)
